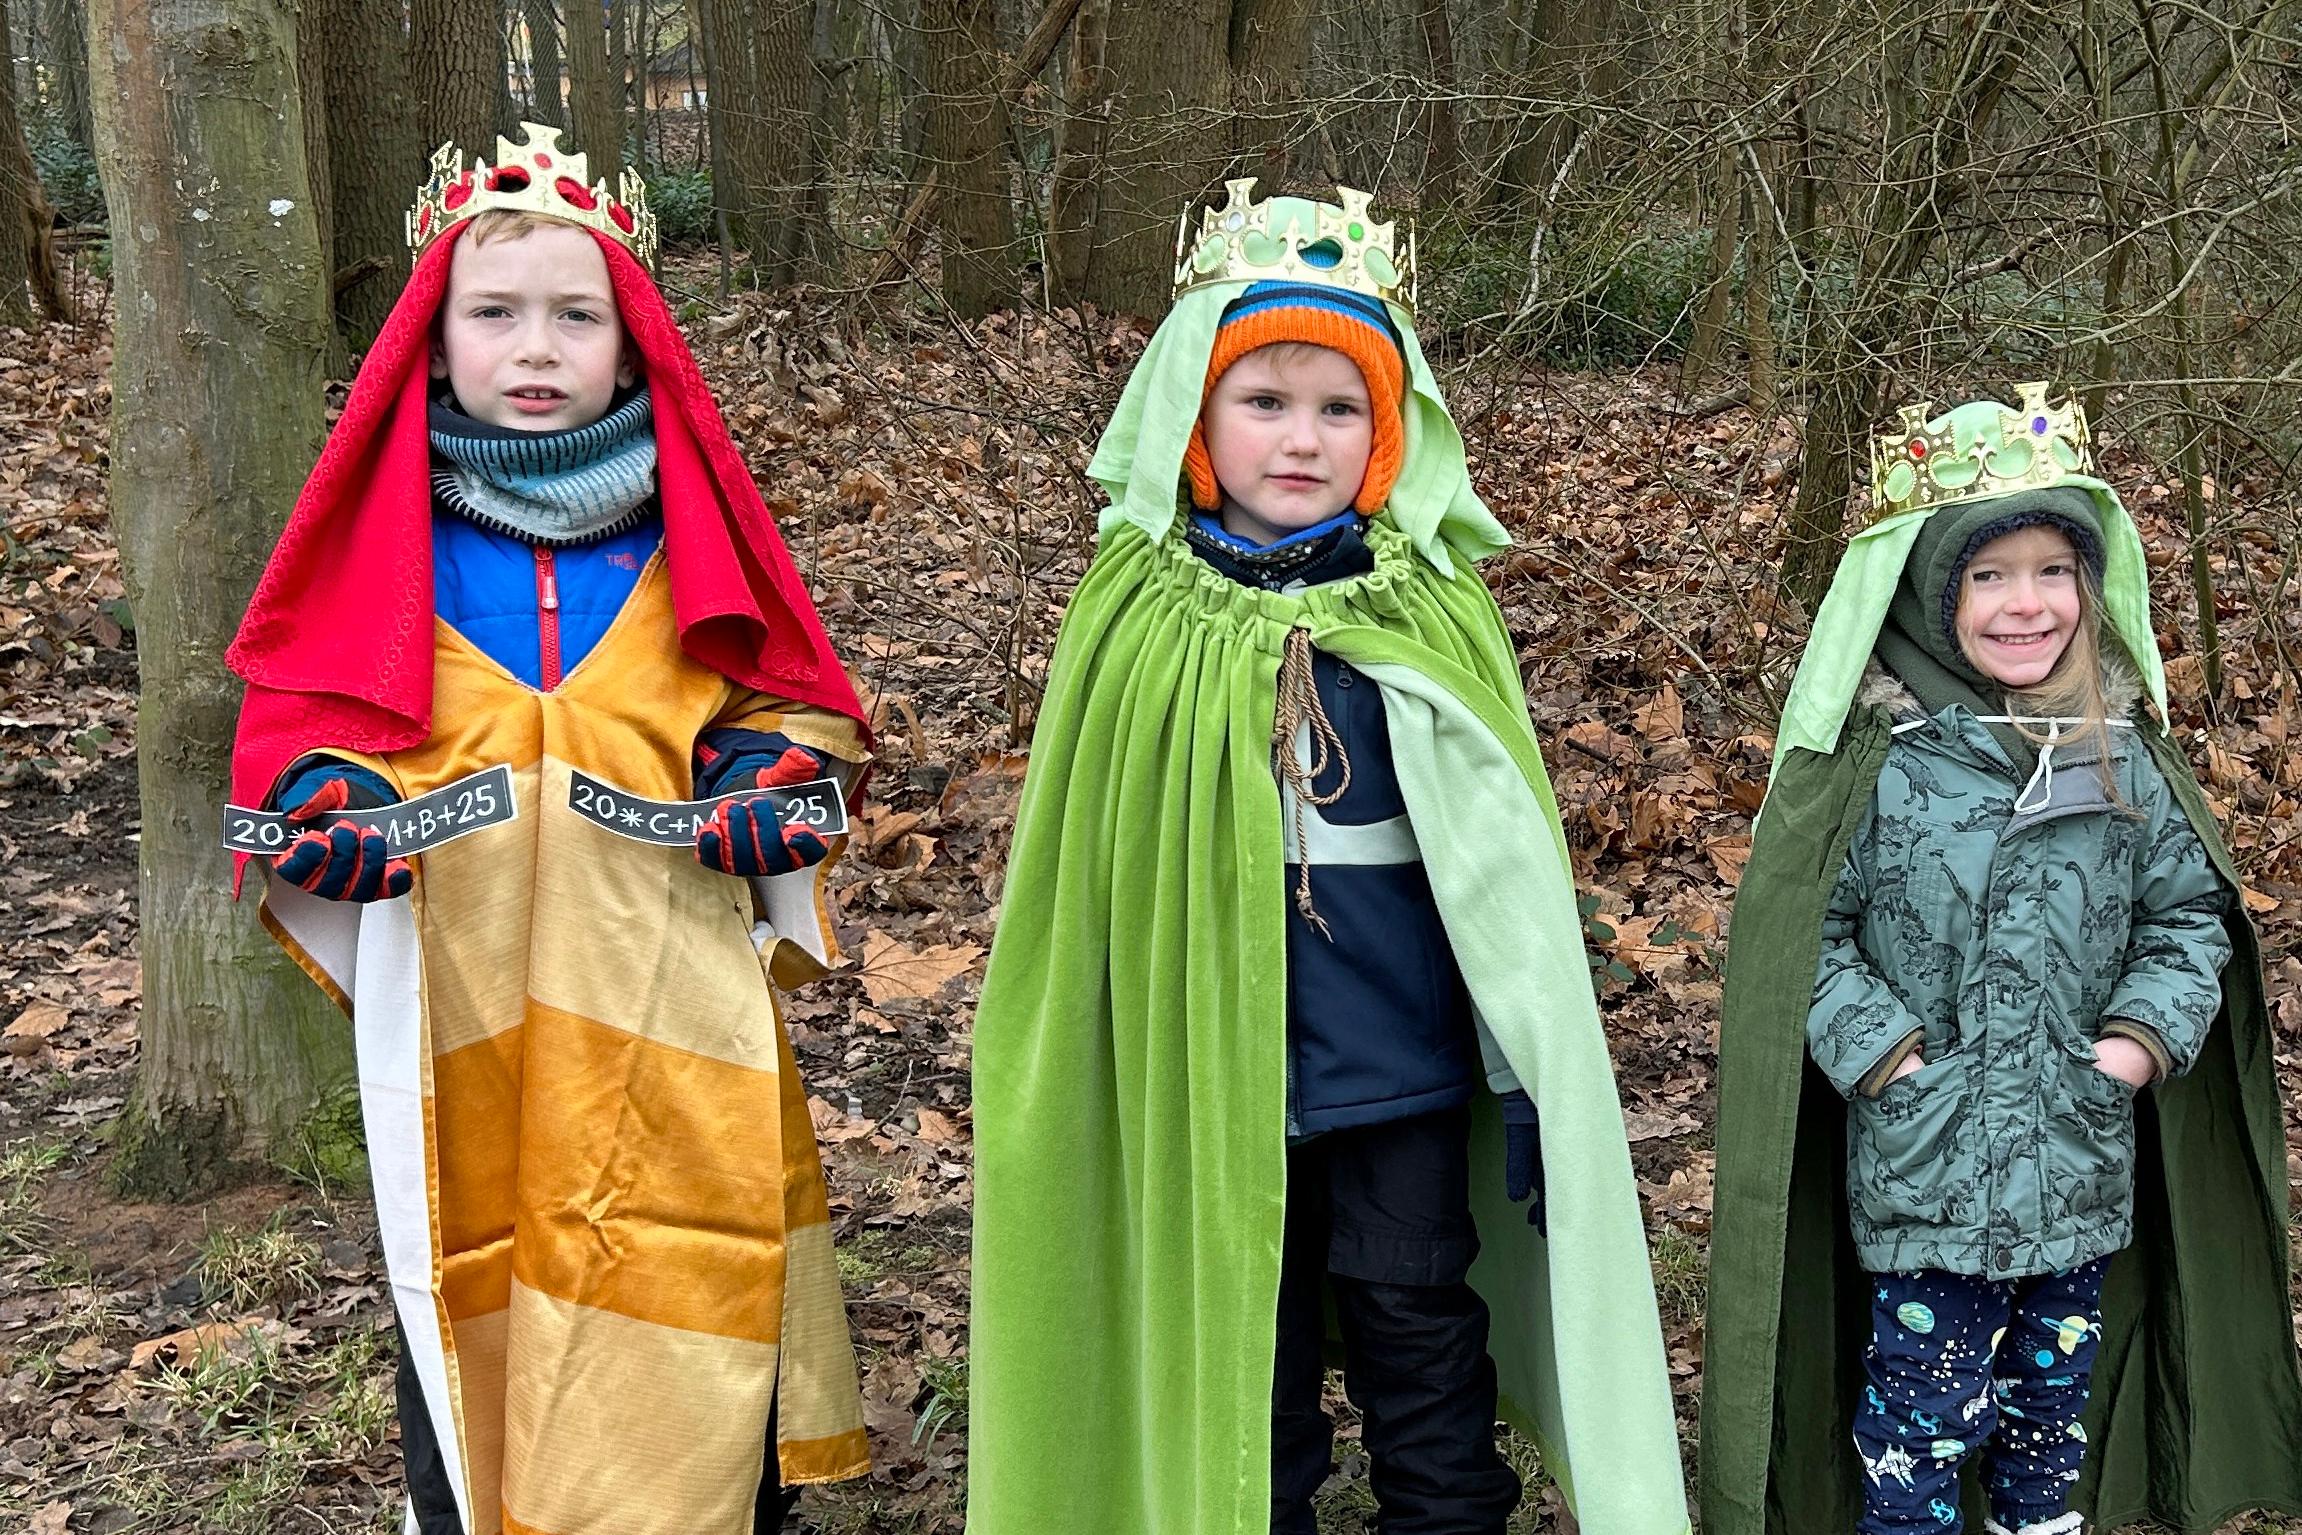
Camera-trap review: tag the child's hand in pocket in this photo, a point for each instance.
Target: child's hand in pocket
(2117, 1056)
(1911, 1063)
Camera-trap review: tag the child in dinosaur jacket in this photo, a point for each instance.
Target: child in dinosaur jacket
(2019, 948)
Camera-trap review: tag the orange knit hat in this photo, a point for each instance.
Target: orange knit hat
(1335, 318)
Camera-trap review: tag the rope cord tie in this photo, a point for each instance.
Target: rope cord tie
(1299, 712)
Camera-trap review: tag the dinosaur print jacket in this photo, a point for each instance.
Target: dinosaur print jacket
(2001, 943)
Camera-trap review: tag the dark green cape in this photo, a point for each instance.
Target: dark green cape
(2196, 1413)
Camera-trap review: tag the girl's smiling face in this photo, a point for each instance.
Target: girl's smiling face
(2018, 605)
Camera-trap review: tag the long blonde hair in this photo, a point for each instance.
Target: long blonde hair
(2074, 689)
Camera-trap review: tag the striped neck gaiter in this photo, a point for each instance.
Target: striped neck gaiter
(553, 488)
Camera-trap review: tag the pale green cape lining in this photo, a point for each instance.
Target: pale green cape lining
(1575, 1336)
(1139, 461)
(1847, 624)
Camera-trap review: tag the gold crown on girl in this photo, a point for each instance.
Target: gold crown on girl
(1985, 448)
(1293, 239)
(535, 177)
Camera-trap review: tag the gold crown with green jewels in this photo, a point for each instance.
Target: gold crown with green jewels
(1293, 239)
(1984, 448)
(535, 177)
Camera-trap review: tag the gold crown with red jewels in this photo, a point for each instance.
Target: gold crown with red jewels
(1979, 449)
(535, 177)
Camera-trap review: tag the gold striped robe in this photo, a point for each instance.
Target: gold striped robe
(603, 1213)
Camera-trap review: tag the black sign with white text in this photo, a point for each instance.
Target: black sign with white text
(472, 803)
(817, 805)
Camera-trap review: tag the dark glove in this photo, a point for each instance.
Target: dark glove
(1523, 1156)
(342, 862)
(748, 837)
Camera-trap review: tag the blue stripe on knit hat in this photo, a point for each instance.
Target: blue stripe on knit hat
(1263, 296)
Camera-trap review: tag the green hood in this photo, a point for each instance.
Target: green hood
(1139, 461)
(1917, 643)
(1872, 573)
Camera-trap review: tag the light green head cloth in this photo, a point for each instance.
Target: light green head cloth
(1846, 626)
(1139, 462)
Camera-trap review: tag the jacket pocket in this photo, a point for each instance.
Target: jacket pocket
(1906, 1156)
(2089, 1160)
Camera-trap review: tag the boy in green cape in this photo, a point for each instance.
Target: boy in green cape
(1289, 1004)
(2022, 1215)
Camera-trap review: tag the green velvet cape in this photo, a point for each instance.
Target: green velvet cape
(1130, 1059)
(2196, 1412)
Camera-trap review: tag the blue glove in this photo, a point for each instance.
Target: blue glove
(748, 837)
(343, 862)
(1523, 1156)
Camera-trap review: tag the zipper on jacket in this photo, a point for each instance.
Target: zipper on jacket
(548, 617)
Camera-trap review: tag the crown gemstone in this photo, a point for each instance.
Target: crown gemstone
(1235, 222)
(534, 177)
(1975, 450)
(1357, 231)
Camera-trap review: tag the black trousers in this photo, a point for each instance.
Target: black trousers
(433, 1498)
(1380, 1216)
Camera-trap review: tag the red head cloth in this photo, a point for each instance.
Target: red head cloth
(360, 542)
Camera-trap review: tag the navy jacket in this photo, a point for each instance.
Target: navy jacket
(1378, 1018)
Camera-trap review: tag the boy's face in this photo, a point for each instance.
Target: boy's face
(1288, 434)
(2018, 605)
(529, 336)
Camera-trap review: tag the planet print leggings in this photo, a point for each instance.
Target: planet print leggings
(1960, 1364)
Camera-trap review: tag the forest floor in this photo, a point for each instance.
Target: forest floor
(227, 1366)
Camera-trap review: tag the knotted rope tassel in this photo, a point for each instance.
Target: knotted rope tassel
(1300, 712)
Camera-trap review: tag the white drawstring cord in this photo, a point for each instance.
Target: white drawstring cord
(2041, 777)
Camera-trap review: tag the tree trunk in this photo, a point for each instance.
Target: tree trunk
(815, 253)
(544, 61)
(1442, 148)
(67, 45)
(1169, 68)
(592, 93)
(1834, 429)
(619, 73)
(762, 100)
(375, 162)
(314, 46)
(1081, 136)
(1758, 289)
(640, 47)
(27, 253)
(456, 72)
(1270, 55)
(1708, 341)
(216, 405)
(1924, 179)
(1537, 140)
(714, 136)
(966, 124)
